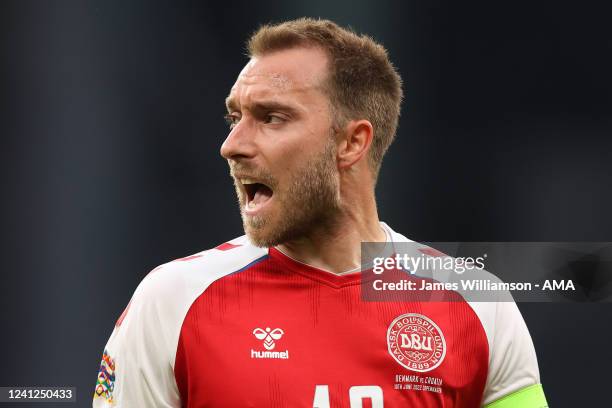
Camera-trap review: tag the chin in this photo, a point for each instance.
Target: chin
(260, 238)
(266, 233)
(259, 231)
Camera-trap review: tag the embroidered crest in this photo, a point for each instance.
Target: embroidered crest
(416, 342)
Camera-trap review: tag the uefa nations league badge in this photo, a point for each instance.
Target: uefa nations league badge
(416, 342)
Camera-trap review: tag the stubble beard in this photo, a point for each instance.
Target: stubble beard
(312, 201)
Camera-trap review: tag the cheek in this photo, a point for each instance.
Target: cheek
(287, 158)
(295, 147)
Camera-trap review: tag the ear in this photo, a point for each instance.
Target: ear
(354, 142)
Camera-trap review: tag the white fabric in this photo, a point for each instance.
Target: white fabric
(144, 345)
(512, 359)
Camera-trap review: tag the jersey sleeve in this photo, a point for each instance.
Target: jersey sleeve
(513, 378)
(137, 364)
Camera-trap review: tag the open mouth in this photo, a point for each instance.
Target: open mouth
(257, 195)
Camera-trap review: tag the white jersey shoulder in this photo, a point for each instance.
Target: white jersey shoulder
(137, 368)
(513, 363)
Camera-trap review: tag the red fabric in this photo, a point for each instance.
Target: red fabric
(226, 246)
(125, 311)
(332, 336)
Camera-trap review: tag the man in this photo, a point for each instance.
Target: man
(275, 318)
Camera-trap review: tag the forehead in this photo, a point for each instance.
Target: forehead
(296, 72)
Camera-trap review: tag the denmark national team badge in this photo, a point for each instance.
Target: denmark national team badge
(416, 342)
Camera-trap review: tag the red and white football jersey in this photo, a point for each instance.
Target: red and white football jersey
(242, 326)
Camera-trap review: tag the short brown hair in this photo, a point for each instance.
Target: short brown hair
(362, 82)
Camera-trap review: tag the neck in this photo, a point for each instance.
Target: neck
(336, 246)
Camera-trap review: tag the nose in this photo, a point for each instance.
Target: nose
(239, 143)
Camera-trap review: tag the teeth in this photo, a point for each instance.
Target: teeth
(247, 181)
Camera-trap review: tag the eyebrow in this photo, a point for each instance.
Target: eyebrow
(230, 104)
(264, 105)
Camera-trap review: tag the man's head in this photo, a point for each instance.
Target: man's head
(315, 102)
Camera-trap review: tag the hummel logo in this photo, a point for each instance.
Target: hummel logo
(268, 336)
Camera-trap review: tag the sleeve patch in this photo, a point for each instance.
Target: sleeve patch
(106, 379)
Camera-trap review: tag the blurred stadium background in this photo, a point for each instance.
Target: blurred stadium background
(112, 120)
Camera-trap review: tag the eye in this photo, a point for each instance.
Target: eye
(273, 118)
(232, 119)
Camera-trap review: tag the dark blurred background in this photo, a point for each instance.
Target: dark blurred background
(112, 121)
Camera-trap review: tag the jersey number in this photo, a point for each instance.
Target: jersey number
(356, 395)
